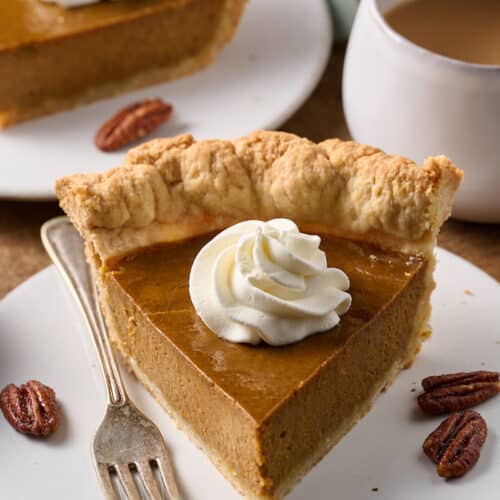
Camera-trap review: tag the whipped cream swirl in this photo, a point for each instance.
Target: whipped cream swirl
(267, 281)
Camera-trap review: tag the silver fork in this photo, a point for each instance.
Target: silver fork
(126, 440)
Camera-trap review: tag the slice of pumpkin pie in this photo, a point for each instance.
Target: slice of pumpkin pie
(265, 289)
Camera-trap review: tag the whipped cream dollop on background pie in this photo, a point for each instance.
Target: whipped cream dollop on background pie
(267, 281)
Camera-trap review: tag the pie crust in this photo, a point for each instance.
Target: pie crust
(168, 189)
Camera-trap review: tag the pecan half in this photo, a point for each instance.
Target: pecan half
(455, 445)
(132, 123)
(457, 391)
(31, 408)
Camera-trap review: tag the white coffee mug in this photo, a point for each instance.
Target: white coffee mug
(410, 101)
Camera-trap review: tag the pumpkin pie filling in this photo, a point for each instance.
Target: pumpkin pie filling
(226, 393)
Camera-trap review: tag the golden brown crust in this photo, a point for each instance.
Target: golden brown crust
(171, 188)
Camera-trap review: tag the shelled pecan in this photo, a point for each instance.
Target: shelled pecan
(31, 408)
(132, 123)
(456, 443)
(457, 391)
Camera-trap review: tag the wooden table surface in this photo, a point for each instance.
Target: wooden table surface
(321, 117)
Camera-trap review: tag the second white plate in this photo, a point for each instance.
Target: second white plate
(267, 71)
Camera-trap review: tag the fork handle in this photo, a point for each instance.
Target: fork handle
(65, 247)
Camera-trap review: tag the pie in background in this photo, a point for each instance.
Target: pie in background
(59, 58)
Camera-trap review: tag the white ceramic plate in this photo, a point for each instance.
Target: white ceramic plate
(383, 451)
(263, 76)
